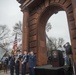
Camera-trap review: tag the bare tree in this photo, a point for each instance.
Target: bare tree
(18, 29)
(48, 27)
(54, 44)
(60, 41)
(4, 35)
(4, 31)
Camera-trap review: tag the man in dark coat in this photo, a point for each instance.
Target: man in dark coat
(17, 62)
(24, 61)
(12, 64)
(31, 62)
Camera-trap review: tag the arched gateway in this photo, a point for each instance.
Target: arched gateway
(35, 15)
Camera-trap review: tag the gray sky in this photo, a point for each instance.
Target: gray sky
(10, 14)
(59, 26)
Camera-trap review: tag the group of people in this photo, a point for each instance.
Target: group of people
(67, 53)
(19, 59)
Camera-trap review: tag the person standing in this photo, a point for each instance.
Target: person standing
(24, 61)
(12, 64)
(62, 54)
(6, 65)
(31, 62)
(17, 62)
(68, 50)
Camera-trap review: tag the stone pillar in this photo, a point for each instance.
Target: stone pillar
(74, 9)
(25, 35)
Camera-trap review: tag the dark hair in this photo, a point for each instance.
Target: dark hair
(31, 51)
(25, 50)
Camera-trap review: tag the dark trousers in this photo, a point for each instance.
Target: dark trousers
(17, 69)
(11, 70)
(32, 72)
(23, 69)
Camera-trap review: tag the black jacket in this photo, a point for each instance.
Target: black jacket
(12, 61)
(31, 61)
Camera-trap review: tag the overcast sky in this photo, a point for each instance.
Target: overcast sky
(59, 26)
(10, 14)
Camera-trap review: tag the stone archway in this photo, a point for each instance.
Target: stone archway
(45, 14)
(36, 14)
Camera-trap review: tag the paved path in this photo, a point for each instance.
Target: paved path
(2, 73)
(8, 73)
